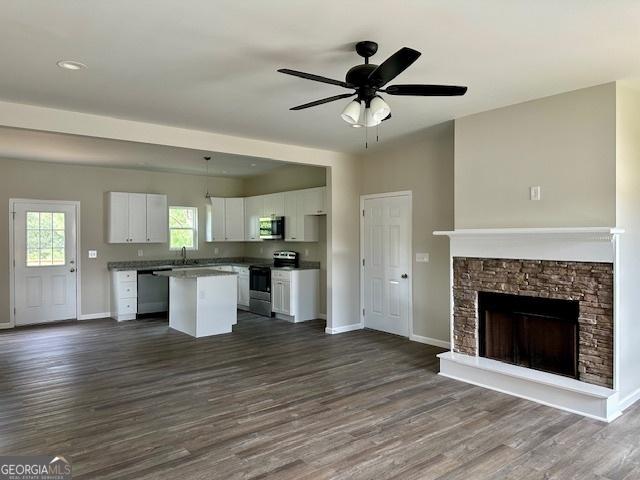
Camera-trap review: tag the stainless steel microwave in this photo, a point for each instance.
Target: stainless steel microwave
(272, 228)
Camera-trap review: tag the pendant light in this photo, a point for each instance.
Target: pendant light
(206, 181)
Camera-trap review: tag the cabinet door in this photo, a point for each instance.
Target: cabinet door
(138, 217)
(276, 296)
(291, 216)
(243, 290)
(234, 219)
(215, 220)
(286, 298)
(157, 218)
(315, 201)
(118, 226)
(273, 205)
(253, 210)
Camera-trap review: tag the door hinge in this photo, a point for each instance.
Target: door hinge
(14, 215)
(363, 312)
(363, 262)
(363, 212)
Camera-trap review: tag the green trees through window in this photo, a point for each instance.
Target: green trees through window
(183, 228)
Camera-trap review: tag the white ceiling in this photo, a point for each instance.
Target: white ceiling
(211, 65)
(73, 149)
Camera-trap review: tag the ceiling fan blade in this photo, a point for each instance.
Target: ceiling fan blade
(324, 100)
(393, 66)
(315, 78)
(426, 90)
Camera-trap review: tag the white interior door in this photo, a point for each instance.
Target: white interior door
(45, 275)
(387, 259)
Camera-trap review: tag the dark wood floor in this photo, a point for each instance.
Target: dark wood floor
(276, 400)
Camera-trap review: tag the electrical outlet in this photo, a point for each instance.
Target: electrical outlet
(535, 193)
(93, 254)
(140, 253)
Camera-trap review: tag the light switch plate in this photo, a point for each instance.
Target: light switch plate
(535, 193)
(140, 253)
(93, 254)
(422, 258)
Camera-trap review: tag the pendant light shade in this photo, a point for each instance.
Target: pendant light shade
(370, 119)
(351, 113)
(379, 108)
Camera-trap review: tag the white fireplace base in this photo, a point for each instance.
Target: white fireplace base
(556, 391)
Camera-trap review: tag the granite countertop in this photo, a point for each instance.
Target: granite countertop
(205, 262)
(193, 273)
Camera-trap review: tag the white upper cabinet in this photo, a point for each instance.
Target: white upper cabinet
(298, 227)
(118, 221)
(216, 231)
(315, 201)
(273, 205)
(130, 221)
(253, 210)
(157, 218)
(292, 213)
(138, 217)
(225, 220)
(234, 219)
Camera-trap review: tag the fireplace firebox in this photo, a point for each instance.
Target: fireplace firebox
(533, 332)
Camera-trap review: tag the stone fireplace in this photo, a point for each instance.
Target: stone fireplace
(533, 314)
(588, 284)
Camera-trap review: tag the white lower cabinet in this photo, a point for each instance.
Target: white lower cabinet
(124, 295)
(243, 287)
(295, 294)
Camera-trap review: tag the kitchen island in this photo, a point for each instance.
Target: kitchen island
(202, 301)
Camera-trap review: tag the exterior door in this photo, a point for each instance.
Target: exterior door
(45, 275)
(387, 257)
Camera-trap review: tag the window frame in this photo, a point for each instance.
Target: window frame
(194, 229)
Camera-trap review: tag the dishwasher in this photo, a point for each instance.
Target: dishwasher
(153, 292)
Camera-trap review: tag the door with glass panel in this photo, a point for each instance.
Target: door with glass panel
(45, 273)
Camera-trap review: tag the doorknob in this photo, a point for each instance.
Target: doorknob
(404, 275)
(72, 270)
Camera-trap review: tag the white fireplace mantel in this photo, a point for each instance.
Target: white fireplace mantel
(587, 244)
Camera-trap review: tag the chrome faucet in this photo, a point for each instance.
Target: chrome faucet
(184, 255)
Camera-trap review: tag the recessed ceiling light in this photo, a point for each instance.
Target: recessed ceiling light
(253, 164)
(71, 65)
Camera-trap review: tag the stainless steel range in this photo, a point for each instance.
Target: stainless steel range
(260, 281)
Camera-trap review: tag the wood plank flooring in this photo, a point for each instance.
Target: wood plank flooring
(137, 400)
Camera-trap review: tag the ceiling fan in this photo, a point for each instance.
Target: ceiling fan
(369, 80)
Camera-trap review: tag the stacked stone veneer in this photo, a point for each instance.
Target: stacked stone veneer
(591, 284)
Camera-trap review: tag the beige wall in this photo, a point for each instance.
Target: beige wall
(628, 218)
(286, 178)
(422, 163)
(564, 143)
(47, 181)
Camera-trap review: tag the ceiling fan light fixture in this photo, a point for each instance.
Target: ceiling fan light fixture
(379, 108)
(370, 118)
(351, 113)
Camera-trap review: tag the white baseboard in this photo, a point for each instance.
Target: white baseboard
(94, 316)
(629, 400)
(430, 341)
(344, 328)
(322, 316)
(4, 326)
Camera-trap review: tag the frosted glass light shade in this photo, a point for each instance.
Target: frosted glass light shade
(351, 113)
